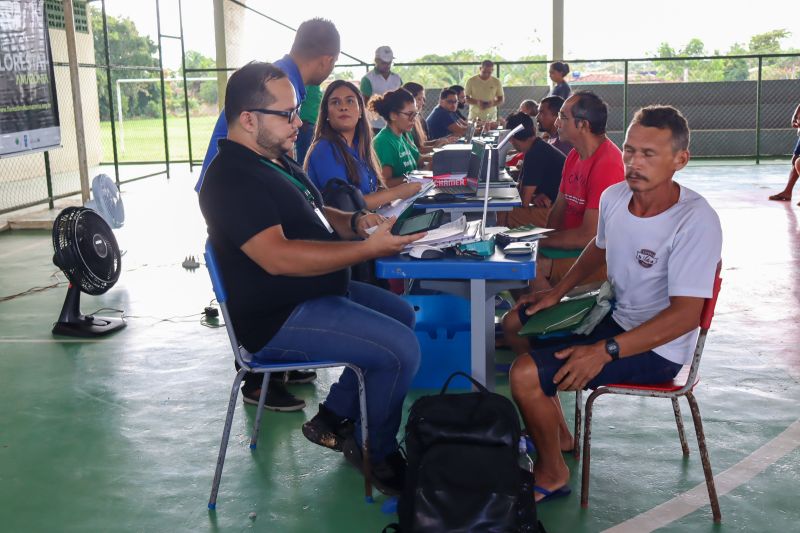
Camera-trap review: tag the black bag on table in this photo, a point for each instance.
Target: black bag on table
(463, 470)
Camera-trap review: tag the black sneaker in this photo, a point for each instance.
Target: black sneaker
(328, 429)
(293, 377)
(278, 398)
(388, 475)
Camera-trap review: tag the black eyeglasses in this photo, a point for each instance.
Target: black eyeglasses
(288, 114)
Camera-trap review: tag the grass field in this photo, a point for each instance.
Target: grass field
(143, 139)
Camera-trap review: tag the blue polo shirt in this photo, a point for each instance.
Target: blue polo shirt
(438, 121)
(287, 65)
(325, 162)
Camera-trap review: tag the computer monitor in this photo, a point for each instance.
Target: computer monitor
(503, 148)
(470, 132)
(478, 162)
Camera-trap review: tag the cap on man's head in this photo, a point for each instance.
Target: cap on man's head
(385, 54)
(528, 126)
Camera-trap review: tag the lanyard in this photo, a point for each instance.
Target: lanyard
(310, 197)
(297, 183)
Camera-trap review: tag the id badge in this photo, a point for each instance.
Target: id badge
(323, 220)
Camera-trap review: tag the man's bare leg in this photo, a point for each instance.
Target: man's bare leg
(786, 194)
(521, 347)
(541, 418)
(544, 267)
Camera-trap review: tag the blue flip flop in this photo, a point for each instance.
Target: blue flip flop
(552, 494)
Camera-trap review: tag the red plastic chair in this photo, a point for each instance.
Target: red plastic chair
(682, 385)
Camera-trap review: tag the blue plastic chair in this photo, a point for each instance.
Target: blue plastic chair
(243, 358)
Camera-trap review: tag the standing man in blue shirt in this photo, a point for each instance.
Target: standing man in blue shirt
(310, 61)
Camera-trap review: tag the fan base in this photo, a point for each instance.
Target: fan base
(88, 326)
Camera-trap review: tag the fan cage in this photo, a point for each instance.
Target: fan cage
(74, 223)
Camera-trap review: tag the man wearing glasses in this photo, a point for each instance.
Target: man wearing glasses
(443, 120)
(594, 165)
(284, 258)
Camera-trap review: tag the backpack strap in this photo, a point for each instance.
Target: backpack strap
(477, 384)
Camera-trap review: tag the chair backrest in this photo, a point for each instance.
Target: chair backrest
(705, 323)
(711, 303)
(222, 298)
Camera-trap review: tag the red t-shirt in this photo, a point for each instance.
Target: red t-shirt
(582, 182)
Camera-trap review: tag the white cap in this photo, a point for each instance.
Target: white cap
(384, 53)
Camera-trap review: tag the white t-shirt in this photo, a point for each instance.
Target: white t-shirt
(674, 253)
(381, 85)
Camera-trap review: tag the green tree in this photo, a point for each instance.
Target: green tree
(769, 42)
(200, 92)
(125, 47)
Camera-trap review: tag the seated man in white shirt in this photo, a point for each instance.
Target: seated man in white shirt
(661, 243)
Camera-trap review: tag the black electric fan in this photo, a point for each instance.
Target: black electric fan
(87, 252)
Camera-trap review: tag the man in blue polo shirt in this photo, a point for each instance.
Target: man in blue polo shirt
(309, 62)
(443, 120)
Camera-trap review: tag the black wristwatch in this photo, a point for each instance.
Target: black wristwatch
(612, 349)
(354, 219)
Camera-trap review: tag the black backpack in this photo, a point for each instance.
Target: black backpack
(343, 195)
(463, 470)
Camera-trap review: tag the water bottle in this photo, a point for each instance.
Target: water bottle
(524, 459)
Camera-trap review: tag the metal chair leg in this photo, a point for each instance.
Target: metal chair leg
(366, 465)
(226, 433)
(587, 446)
(676, 408)
(701, 443)
(576, 434)
(261, 399)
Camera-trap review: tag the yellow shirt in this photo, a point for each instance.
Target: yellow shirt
(479, 89)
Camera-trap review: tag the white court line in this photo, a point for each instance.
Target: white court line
(732, 478)
(48, 341)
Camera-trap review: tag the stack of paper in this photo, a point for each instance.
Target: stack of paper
(396, 208)
(456, 232)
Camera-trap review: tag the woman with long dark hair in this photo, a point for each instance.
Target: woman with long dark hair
(342, 147)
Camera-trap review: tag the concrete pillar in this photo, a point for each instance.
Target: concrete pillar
(222, 51)
(77, 108)
(558, 30)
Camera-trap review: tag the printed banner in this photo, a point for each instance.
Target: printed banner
(28, 104)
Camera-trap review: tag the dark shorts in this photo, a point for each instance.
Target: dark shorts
(644, 368)
(797, 148)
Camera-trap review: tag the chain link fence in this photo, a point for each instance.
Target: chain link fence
(139, 115)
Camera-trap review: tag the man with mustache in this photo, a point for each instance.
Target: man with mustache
(661, 243)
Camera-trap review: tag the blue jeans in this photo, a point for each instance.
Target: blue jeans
(371, 328)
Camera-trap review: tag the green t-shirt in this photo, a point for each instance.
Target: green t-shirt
(396, 152)
(309, 111)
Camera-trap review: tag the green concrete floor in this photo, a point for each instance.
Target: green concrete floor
(121, 434)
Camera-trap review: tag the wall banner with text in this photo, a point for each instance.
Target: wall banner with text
(28, 103)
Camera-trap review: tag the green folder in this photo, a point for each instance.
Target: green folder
(558, 253)
(563, 316)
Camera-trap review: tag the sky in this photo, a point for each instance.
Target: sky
(593, 29)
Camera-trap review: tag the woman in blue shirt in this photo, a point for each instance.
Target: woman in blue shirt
(342, 147)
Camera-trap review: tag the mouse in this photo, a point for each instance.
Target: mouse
(424, 251)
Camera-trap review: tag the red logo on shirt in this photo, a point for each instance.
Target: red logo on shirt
(646, 258)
